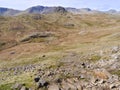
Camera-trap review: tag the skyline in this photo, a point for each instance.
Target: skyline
(93, 4)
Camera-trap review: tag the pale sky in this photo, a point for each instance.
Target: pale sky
(93, 4)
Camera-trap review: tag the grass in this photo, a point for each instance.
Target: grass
(71, 41)
(95, 58)
(5, 87)
(26, 60)
(50, 60)
(24, 78)
(115, 72)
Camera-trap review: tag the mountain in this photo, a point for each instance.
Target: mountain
(112, 11)
(44, 10)
(81, 11)
(73, 10)
(8, 12)
(51, 48)
(47, 10)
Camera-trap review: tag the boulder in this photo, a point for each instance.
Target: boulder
(24, 88)
(113, 86)
(17, 86)
(54, 87)
(42, 83)
(36, 79)
(115, 49)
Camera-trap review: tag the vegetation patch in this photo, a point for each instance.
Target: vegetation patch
(116, 72)
(6, 87)
(95, 58)
(2, 44)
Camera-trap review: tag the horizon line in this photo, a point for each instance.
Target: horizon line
(56, 6)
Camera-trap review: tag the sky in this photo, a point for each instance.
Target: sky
(93, 4)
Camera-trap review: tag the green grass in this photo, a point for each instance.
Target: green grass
(95, 58)
(52, 23)
(5, 87)
(116, 72)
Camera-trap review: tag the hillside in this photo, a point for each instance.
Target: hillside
(60, 50)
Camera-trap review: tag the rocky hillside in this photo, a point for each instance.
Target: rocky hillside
(45, 10)
(94, 71)
(59, 50)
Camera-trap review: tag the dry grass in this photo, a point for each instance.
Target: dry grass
(101, 75)
(89, 33)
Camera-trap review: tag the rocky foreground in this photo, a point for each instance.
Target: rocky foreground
(97, 71)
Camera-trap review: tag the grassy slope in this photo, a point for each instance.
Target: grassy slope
(74, 33)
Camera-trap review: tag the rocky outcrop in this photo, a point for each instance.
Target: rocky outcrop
(37, 35)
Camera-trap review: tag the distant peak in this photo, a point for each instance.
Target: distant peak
(86, 9)
(60, 9)
(43, 9)
(112, 10)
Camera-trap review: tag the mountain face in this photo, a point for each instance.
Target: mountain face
(112, 11)
(37, 9)
(73, 10)
(8, 12)
(45, 10)
(48, 10)
(79, 11)
(3, 10)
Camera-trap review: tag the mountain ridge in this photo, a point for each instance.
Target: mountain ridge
(51, 48)
(51, 9)
(8, 11)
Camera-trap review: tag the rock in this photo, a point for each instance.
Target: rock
(83, 64)
(60, 9)
(94, 80)
(102, 81)
(30, 89)
(59, 80)
(116, 56)
(42, 83)
(93, 88)
(82, 76)
(44, 56)
(113, 78)
(24, 88)
(53, 87)
(36, 79)
(113, 86)
(36, 35)
(69, 25)
(12, 52)
(17, 86)
(72, 86)
(115, 49)
(78, 86)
